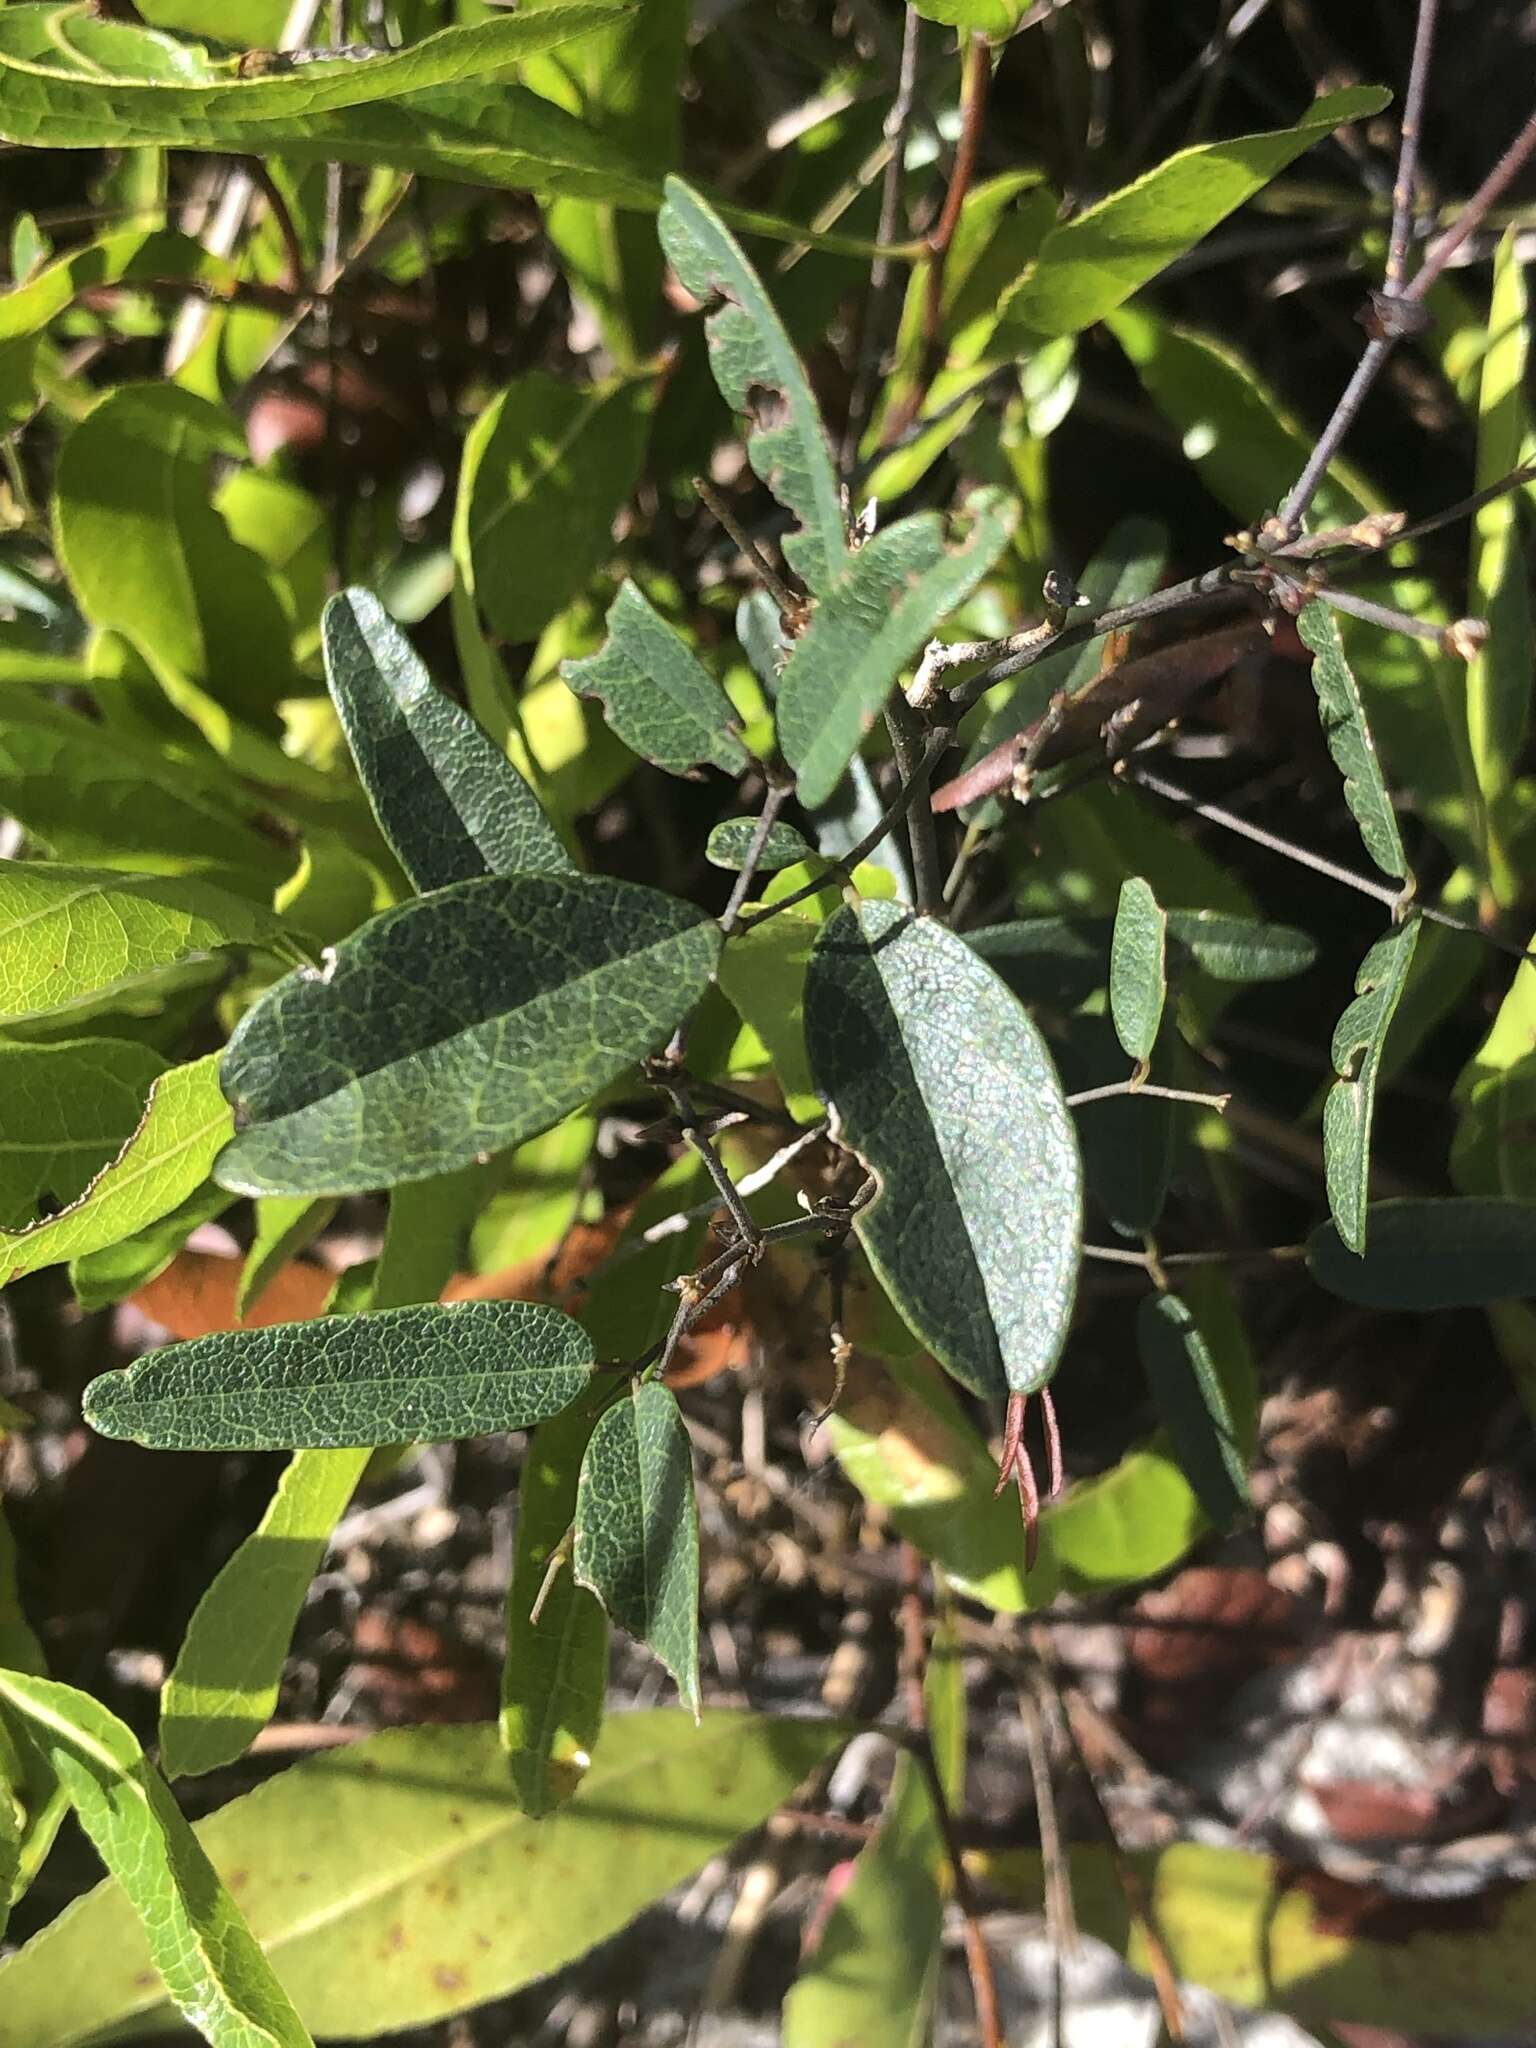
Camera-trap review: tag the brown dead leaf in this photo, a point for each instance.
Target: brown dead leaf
(195, 1295)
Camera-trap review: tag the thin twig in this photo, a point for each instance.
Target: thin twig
(1408, 153)
(1217, 1102)
(882, 271)
(747, 1232)
(788, 602)
(777, 797)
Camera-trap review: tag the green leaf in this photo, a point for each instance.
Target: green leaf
(1241, 948)
(637, 1529)
(69, 1108)
(285, 1226)
(994, 18)
(761, 377)
(185, 1122)
(397, 1375)
(887, 603)
(556, 1669)
(1193, 1405)
(1349, 740)
(114, 1271)
(223, 1689)
(730, 841)
(1424, 1253)
(447, 799)
(456, 1026)
(656, 693)
(93, 793)
(1094, 262)
(1358, 1040)
(72, 936)
(1127, 1140)
(1499, 674)
(547, 467)
(204, 1952)
(941, 1084)
(367, 1871)
(147, 554)
(1054, 960)
(1138, 969)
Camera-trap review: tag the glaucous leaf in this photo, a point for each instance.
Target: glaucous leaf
(1422, 1252)
(447, 799)
(1358, 1040)
(730, 841)
(361, 1865)
(555, 1673)
(69, 1108)
(637, 1529)
(1094, 262)
(397, 1375)
(942, 1085)
(761, 377)
(169, 1155)
(886, 604)
(656, 693)
(455, 1026)
(1348, 734)
(1138, 968)
(1240, 948)
(547, 467)
(1499, 674)
(202, 1950)
(1193, 1406)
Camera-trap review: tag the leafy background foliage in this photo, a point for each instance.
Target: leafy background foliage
(575, 960)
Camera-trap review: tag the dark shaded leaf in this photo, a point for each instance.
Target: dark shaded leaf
(1193, 1406)
(1358, 1040)
(1054, 960)
(656, 693)
(1241, 948)
(1460, 1252)
(69, 1109)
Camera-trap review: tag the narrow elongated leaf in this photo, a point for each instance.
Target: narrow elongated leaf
(942, 1085)
(730, 841)
(1062, 960)
(456, 1026)
(761, 377)
(656, 693)
(1241, 948)
(1460, 1252)
(886, 604)
(364, 1868)
(1138, 968)
(637, 1529)
(1094, 262)
(285, 1226)
(448, 800)
(170, 1153)
(69, 1108)
(556, 1669)
(74, 936)
(1193, 1405)
(399, 1375)
(1358, 1040)
(1349, 740)
(205, 1954)
(1499, 674)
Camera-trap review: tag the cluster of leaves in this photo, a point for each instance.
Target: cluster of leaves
(383, 900)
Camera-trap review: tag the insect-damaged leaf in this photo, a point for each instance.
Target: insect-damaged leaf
(455, 1026)
(637, 1529)
(761, 377)
(888, 601)
(1193, 1405)
(1358, 1039)
(940, 1082)
(1138, 968)
(400, 1375)
(1424, 1253)
(449, 801)
(656, 693)
(202, 1949)
(1342, 711)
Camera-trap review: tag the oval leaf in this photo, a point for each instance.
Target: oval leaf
(637, 1529)
(1348, 734)
(401, 1375)
(731, 840)
(1358, 1040)
(455, 1026)
(1193, 1405)
(1458, 1252)
(656, 693)
(448, 800)
(943, 1086)
(1241, 948)
(1138, 969)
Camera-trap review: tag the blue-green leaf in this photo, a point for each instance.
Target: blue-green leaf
(656, 693)
(1425, 1253)
(1138, 968)
(1358, 1040)
(1349, 740)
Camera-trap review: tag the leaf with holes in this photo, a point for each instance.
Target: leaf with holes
(637, 1529)
(455, 1026)
(761, 377)
(1138, 969)
(448, 800)
(942, 1085)
(1193, 1405)
(1425, 1253)
(656, 693)
(888, 602)
(1348, 734)
(399, 1375)
(1358, 1041)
